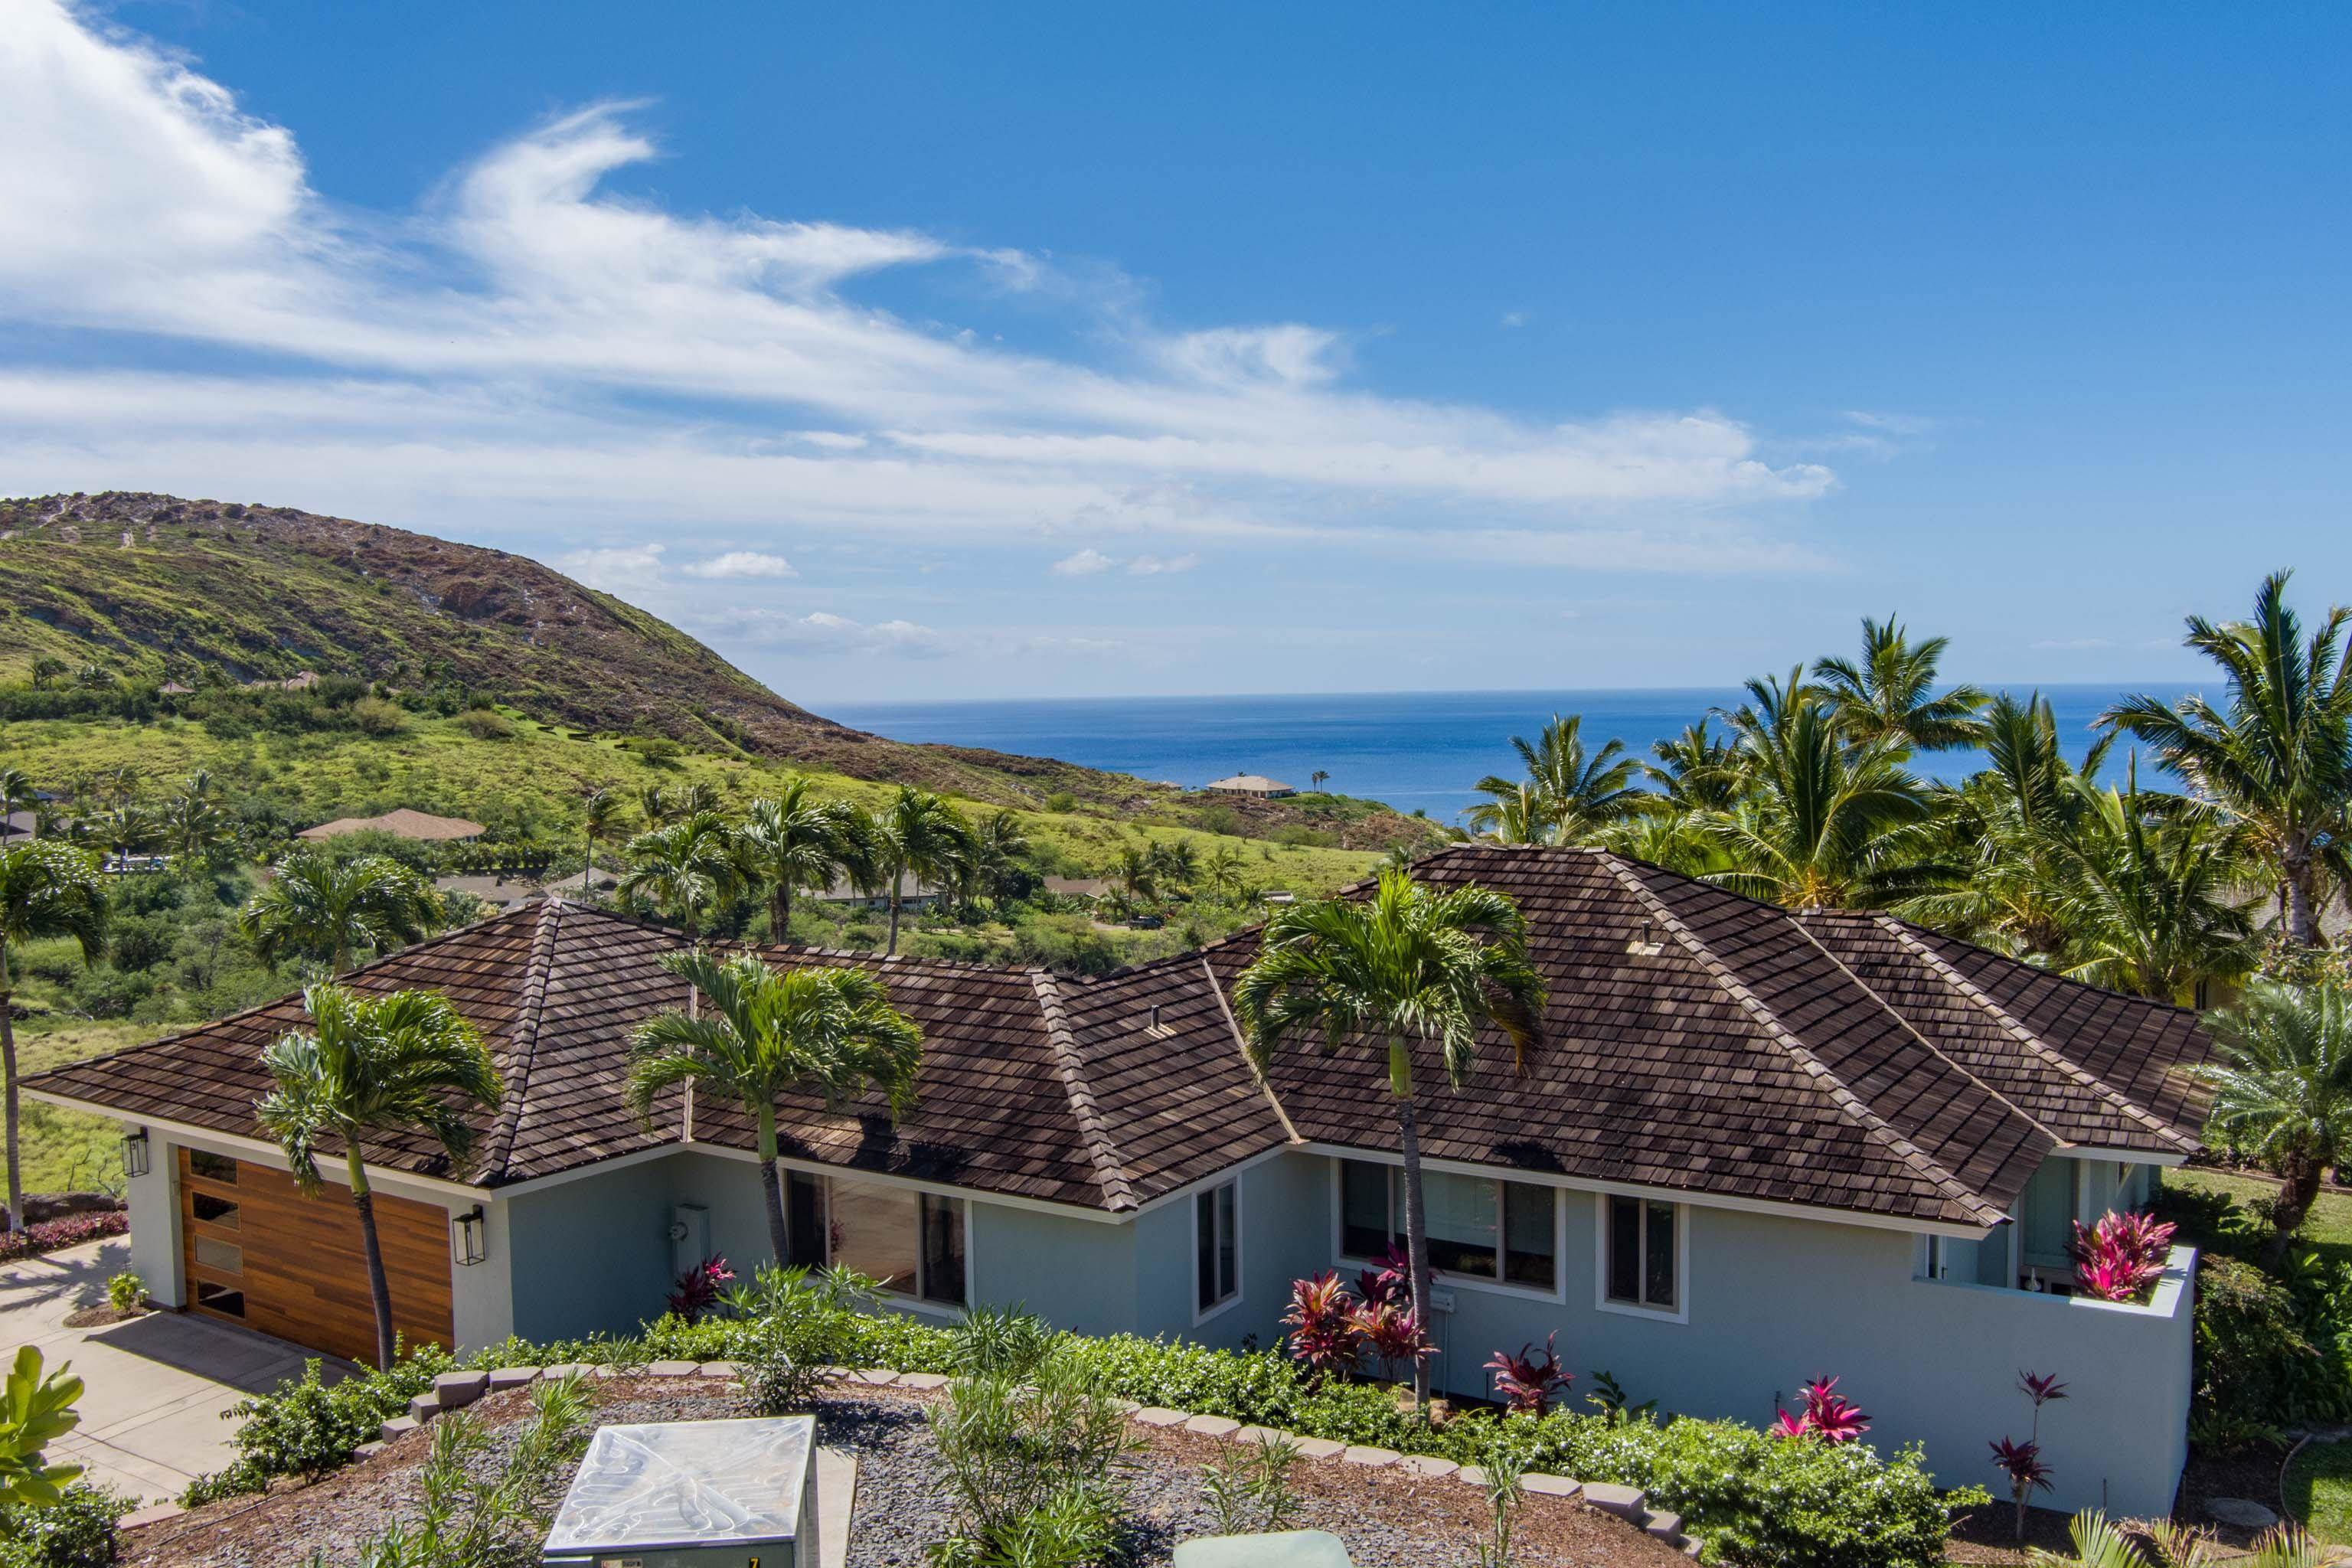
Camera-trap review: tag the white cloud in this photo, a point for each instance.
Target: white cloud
(742, 564)
(1085, 563)
(822, 631)
(621, 569)
(1514, 318)
(1159, 565)
(530, 343)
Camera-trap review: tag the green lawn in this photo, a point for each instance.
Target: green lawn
(2318, 1488)
(2327, 1231)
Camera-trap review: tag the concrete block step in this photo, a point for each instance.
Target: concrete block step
(1627, 1503)
(456, 1390)
(1666, 1526)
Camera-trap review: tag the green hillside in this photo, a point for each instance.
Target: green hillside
(154, 589)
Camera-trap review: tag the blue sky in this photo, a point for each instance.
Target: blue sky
(943, 350)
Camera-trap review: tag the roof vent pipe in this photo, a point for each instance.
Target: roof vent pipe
(1155, 1016)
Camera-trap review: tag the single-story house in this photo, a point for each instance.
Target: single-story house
(1750, 1147)
(502, 892)
(18, 825)
(402, 823)
(1077, 886)
(1256, 784)
(915, 894)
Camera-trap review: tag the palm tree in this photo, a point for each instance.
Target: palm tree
(1178, 863)
(194, 830)
(47, 669)
(17, 793)
(124, 830)
(1222, 874)
(1136, 875)
(1318, 779)
(1888, 697)
(1823, 826)
(1695, 771)
(1515, 815)
(1577, 793)
(2282, 1087)
(1408, 966)
(2149, 903)
(399, 1063)
(2278, 756)
(918, 833)
(999, 845)
(324, 908)
(47, 890)
(767, 1033)
(684, 867)
(600, 814)
(794, 841)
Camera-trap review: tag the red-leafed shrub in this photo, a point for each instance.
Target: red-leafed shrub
(2122, 1257)
(1828, 1416)
(1324, 1335)
(1527, 1380)
(698, 1291)
(51, 1235)
(1391, 1333)
(1390, 1279)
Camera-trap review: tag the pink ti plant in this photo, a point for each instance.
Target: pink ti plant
(1828, 1416)
(1527, 1382)
(1324, 1335)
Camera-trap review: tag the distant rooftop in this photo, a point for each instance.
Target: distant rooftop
(1252, 784)
(402, 823)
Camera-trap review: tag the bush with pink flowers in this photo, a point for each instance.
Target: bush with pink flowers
(54, 1235)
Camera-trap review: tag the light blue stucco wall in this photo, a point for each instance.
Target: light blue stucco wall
(1773, 1301)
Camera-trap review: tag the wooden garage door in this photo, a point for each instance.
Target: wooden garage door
(261, 1254)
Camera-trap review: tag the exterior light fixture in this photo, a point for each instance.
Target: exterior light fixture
(467, 1242)
(134, 1154)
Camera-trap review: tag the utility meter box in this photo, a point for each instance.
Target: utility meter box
(692, 1494)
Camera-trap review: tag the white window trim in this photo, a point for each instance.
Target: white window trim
(1441, 1279)
(914, 1301)
(1208, 1194)
(1601, 1300)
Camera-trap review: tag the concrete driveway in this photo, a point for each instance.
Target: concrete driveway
(155, 1387)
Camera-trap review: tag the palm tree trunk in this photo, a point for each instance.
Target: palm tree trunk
(8, 1072)
(379, 1286)
(2299, 926)
(1416, 1219)
(897, 878)
(771, 1187)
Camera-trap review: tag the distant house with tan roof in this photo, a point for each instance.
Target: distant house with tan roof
(401, 823)
(1254, 785)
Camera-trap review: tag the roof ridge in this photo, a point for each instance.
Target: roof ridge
(1867, 989)
(2016, 1028)
(522, 1044)
(1062, 1043)
(1852, 1105)
(1264, 1084)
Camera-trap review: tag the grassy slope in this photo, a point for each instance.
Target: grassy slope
(539, 778)
(150, 587)
(65, 1149)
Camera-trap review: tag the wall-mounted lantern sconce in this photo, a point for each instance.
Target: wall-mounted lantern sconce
(134, 1154)
(466, 1237)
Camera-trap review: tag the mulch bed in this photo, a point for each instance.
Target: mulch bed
(97, 1317)
(1989, 1534)
(1389, 1519)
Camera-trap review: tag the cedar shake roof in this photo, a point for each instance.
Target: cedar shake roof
(1694, 1041)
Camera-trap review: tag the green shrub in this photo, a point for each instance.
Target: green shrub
(487, 724)
(1756, 1498)
(306, 1427)
(1030, 1467)
(75, 1532)
(376, 717)
(125, 1290)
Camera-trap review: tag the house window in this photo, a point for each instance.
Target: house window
(1217, 1247)
(212, 1167)
(910, 1244)
(1479, 1228)
(1642, 1237)
(803, 1221)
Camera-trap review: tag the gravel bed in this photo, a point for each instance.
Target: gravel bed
(1389, 1519)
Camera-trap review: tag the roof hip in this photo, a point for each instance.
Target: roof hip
(1852, 1105)
(1118, 1190)
(523, 1046)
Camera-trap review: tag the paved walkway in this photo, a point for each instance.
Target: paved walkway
(155, 1387)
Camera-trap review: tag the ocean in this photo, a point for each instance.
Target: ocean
(1417, 751)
